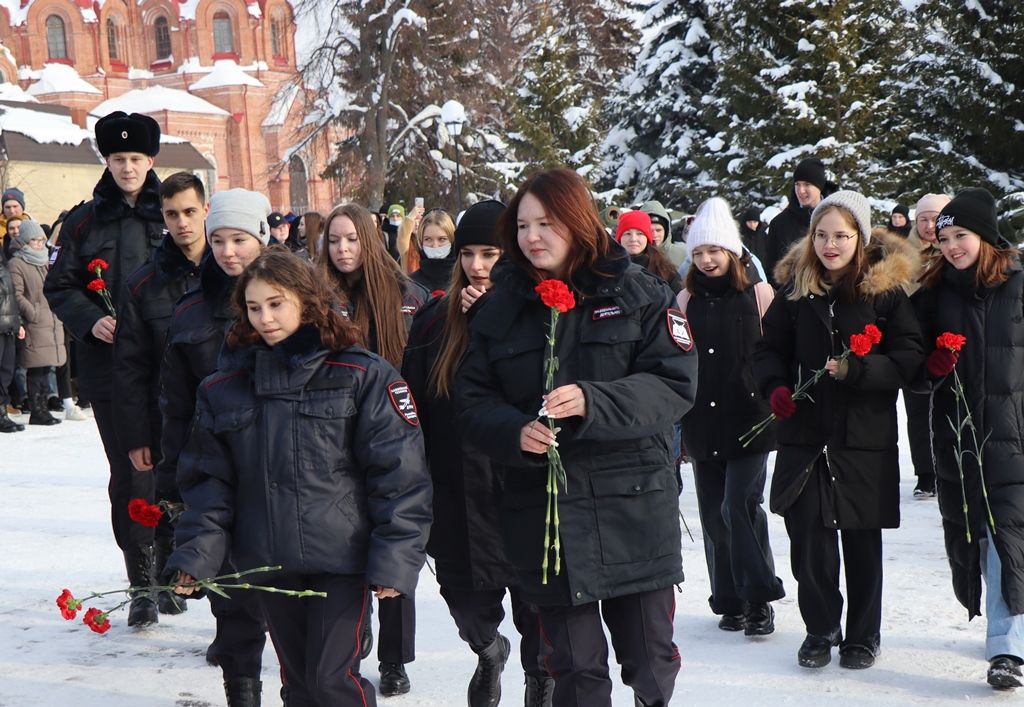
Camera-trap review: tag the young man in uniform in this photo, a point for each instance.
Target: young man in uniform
(120, 227)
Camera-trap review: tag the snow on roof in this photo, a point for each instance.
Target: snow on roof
(155, 99)
(17, 10)
(281, 106)
(58, 78)
(225, 73)
(42, 127)
(14, 92)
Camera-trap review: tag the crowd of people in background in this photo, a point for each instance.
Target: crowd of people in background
(343, 394)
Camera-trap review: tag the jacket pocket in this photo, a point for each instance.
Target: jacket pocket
(607, 348)
(635, 514)
(233, 420)
(324, 429)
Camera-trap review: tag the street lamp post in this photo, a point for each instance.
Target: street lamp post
(453, 115)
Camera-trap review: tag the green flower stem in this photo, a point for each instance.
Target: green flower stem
(967, 422)
(556, 471)
(547, 530)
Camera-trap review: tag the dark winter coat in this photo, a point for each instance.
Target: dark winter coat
(675, 281)
(725, 324)
(142, 322)
(465, 539)
(756, 241)
(195, 336)
(619, 512)
(301, 457)
(105, 227)
(434, 275)
(789, 226)
(853, 420)
(10, 316)
(414, 296)
(43, 344)
(991, 369)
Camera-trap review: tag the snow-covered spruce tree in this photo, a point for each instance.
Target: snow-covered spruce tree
(801, 78)
(652, 148)
(964, 90)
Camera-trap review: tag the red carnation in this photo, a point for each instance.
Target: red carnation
(949, 340)
(556, 294)
(860, 344)
(97, 285)
(144, 513)
(873, 333)
(69, 606)
(96, 620)
(97, 264)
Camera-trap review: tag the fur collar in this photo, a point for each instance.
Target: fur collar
(892, 263)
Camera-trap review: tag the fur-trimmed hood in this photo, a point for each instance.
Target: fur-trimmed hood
(892, 263)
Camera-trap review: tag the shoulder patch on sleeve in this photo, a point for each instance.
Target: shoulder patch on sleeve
(401, 399)
(679, 329)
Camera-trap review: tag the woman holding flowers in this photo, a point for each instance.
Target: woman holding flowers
(589, 509)
(970, 307)
(306, 453)
(841, 319)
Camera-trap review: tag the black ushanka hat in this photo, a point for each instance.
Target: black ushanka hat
(120, 132)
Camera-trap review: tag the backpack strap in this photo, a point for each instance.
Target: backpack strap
(682, 299)
(763, 295)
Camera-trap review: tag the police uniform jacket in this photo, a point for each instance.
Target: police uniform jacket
(142, 322)
(125, 237)
(619, 514)
(308, 459)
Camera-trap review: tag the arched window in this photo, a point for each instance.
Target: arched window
(112, 39)
(278, 38)
(223, 41)
(56, 41)
(162, 37)
(298, 190)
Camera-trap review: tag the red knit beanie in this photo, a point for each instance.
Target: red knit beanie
(634, 219)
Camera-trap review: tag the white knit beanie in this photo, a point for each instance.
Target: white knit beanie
(240, 209)
(713, 224)
(853, 202)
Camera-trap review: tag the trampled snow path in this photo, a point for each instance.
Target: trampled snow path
(54, 533)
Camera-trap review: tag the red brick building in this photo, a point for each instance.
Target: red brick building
(207, 70)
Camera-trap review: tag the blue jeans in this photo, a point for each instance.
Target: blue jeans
(1005, 634)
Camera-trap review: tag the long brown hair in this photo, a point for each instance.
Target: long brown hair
(810, 276)
(381, 282)
(658, 263)
(738, 279)
(992, 267)
(315, 231)
(279, 267)
(567, 200)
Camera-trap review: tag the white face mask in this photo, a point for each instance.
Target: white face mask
(437, 253)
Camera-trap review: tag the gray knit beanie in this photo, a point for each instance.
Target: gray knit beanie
(29, 230)
(240, 209)
(853, 202)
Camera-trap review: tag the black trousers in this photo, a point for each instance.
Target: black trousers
(125, 483)
(814, 554)
(8, 348)
(478, 613)
(740, 564)
(241, 634)
(396, 637)
(918, 432)
(36, 381)
(577, 652)
(317, 640)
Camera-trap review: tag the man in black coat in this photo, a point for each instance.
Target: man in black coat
(810, 186)
(142, 322)
(754, 234)
(121, 226)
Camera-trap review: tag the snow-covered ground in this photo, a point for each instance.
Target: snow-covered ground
(55, 533)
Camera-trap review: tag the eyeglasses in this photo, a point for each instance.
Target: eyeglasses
(834, 239)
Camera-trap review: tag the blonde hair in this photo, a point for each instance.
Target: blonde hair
(810, 276)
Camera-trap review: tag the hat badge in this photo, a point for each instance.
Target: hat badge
(124, 134)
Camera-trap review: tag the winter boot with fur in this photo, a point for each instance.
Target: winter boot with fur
(40, 412)
(138, 560)
(485, 685)
(167, 602)
(243, 692)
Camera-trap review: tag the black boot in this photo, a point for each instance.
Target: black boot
(1004, 672)
(816, 651)
(759, 620)
(393, 679)
(539, 691)
(485, 685)
(40, 414)
(243, 692)
(167, 602)
(7, 424)
(139, 562)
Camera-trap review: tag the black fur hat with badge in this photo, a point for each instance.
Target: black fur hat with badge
(120, 132)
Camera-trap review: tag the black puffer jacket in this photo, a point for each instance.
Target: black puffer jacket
(619, 514)
(726, 325)
(785, 229)
(105, 227)
(434, 275)
(301, 457)
(853, 420)
(10, 315)
(194, 340)
(142, 322)
(991, 369)
(756, 241)
(465, 539)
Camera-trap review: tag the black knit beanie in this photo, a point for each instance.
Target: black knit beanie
(974, 209)
(901, 209)
(478, 224)
(811, 170)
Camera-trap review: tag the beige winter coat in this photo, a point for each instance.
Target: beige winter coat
(44, 334)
